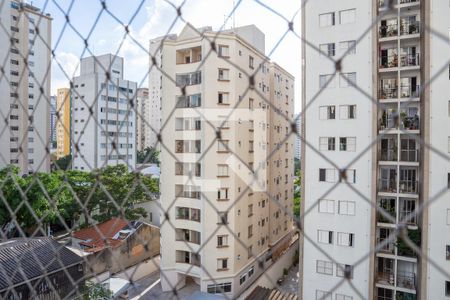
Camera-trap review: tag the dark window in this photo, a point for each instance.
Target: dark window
(322, 174)
(447, 288)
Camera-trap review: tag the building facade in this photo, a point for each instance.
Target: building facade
(25, 88)
(53, 122)
(63, 123)
(108, 136)
(142, 111)
(298, 141)
(226, 199)
(390, 90)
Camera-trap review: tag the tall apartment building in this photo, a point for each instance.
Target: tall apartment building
(63, 122)
(108, 136)
(25, 107)
(53, 122)
(403, 66)
(298, 141)
(142, 122)
(225, 223)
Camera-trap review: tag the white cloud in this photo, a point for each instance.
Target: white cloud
(64, 67)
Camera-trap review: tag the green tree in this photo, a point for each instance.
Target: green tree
(297, 193)
(63, 163)
(148, 155)
(10, 197)
(96, 291)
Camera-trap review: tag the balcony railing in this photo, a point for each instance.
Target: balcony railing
(386, 277)
(408, 1)
(387, 248)
(408, 186)
(410, 60)
(409, 27)
(388, 61)
(408, 91)
(388, 93)
(408, 217)
(390, 211)
(406, 280)
(387, 185)
(388, 155)
(410, 123)
(388, 30)
(409, 155)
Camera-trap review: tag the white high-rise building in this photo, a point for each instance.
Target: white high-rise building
(25, 87)
(142, 111)
(103, 118)
(401, 103)
(298, 141)
(217, 135)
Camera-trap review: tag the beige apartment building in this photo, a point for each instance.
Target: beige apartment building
(62, 122)
(25, 87)
(142, 121)
(227, 161)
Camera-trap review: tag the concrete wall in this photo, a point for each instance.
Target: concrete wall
(274, 272)
(130, 253)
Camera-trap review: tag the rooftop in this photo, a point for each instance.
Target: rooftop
(27, 258)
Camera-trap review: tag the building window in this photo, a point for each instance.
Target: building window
(219, 288)
(326, 20)
(222, 146)
(347, 112)
(250, 231)
(327, 143)
(223, 98)
(323, 295)
(326, 81)
(347, 79)
(222, 170)
(222, 264)
(350, 176)
(448, 180)
(251, 62)
(224, 51)
(250, 103)
(222, 217)
(347, 16)
(345, 239)
(224, 74)
(222, 194)
(250, 210)
(447, 288)
(342, 270)
(447, 252)
(325, 236)
(326, 206)
(346, 208)
(348, 47)
(347, 144)
(324, 267)
(222, 241)
(344, 297)
(251, 271)
(328, 49)
(327, 112)
(326, 175)
(448, 216)
(242, 279)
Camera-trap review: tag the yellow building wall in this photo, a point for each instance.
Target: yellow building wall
(63, 122)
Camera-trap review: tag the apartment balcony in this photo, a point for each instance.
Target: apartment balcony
(386, 277)
(409, 155)
(387, 248)
(405, 250)
(405, 296)
(410, 60)
(408, 186)
(390, 30)
(406, 280)
(383, 3)
(407, 213)
(189, 55)
(388, 61)
(409, 27)
(388, 206)
(388, 154)
(388, 93)
(409, 91)
(387, 185)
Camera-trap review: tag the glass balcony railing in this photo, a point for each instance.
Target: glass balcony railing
(388, 155)
(387, 185)
(410, 123)
(388, 93)
(409, 155)
(408, 186)
(406, 280)
(409, 27)
(410, 60)
(386, 248)
(409, 91)
(388, 30)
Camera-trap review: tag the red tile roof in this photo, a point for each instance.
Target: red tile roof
(99, 236)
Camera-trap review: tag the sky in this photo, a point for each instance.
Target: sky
(153, 18)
